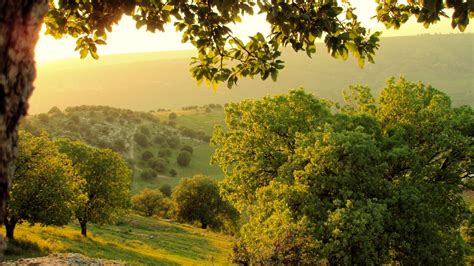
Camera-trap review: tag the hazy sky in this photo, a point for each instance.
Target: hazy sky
(125, 38)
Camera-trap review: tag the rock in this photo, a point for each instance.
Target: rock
(72, 259)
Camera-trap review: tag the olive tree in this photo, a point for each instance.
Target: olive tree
(106, 185)
(45, 187)
(375, 181)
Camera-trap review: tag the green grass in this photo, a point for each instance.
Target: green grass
(135, 239)
(200, 120)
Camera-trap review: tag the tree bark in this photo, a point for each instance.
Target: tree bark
(20, 23)
(10, 228)
(83, 228)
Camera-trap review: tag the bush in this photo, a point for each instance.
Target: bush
(151, 202)
(147, 155)
(172, 116)
(141, 139)
(166, 190)
(187, 148)
(145, 130)
(173, 142)
(159, 139)
(148, 174)
(173, 173)
(158, 164)
(197, 199)
(184, 158)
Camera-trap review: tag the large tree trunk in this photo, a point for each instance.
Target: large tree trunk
(20, 23)
(83, 228)
(10, 228)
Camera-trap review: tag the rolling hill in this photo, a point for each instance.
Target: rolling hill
(162, 80)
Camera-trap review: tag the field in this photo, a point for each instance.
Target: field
(135, 239)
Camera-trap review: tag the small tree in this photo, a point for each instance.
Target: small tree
(151, 202)
(172, 116)
(141, 139)
(158, 165)
(148, 173)
(107, 183)
(187, 148)
(147, 155)
(197, 199)
(44, 186)
(166, 190)
(173, 172)
(54, 110)
(184, 158)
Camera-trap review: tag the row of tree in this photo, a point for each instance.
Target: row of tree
(56, 181)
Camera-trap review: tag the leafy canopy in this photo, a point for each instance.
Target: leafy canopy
(370, 182)
(45, 188)
(107, 182)
(197, 199)
(223, 56)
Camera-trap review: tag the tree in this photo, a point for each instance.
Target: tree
(158, 164)
(147, 155)
(172, 116)
(173, 172)
(141, 139)
(375, 182)
(151, 202)
(187, 148)
(148, 174)
(298, 25)
(197, 199)
(184, 158)
(44, 188)
(166, 190)
(107, 183)
(54, 110)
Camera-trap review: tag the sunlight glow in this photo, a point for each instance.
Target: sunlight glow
(125, 38)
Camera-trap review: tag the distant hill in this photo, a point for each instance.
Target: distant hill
(162, 80)
(150, 142)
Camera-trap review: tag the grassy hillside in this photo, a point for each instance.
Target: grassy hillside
(162, 80)
(132, 134)
(135, 239)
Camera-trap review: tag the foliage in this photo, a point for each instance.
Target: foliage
(184, 158)
(371, 182)
(151, 202)
(222, 56)
(172, 116)
(166, 190)
(187, 148)
(173, 172)
(148, 174)
(158, 164)
(197, 199)
(141, 139)
(147, 155)
(44, 188)
(107, 182)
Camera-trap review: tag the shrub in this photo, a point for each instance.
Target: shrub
(147, 155)
(151, 202)
(184, 158)
(187, 148)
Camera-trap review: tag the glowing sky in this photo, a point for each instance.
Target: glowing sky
(125, 38)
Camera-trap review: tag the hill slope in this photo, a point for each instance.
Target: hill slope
(162, 80)
(149, 141)
(136, 240)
